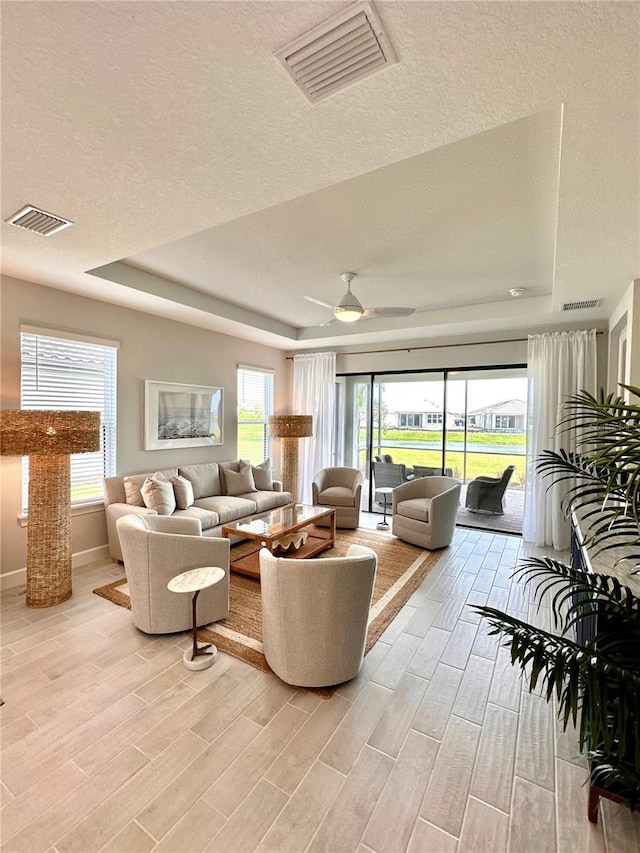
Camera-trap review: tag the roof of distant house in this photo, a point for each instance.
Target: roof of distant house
(507, 407)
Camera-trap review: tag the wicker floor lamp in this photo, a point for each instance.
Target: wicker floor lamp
(290, 428)
(48, 438)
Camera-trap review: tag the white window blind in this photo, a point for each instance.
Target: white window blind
(68, 373)
(255, 404)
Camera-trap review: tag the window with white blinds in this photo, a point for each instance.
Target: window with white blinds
(71, 373)
(255, 404)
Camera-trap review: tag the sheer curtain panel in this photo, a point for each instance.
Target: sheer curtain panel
(559, 364)
(314, 393)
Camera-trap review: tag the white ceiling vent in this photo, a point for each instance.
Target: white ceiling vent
(577, 306)
(347, 47)
(39, 221)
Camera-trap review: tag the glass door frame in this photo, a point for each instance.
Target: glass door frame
(445, 372)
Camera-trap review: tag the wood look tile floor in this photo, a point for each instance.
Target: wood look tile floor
(108, 743)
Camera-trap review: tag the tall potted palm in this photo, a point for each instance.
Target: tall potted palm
(594, 674)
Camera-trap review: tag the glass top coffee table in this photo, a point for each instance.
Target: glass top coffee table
(288, 531)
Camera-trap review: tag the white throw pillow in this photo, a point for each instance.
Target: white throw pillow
(262, 474)
(157, 493)
(183, 491)
(132, 489)
(239, 483)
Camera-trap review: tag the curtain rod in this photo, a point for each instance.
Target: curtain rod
(433, 346)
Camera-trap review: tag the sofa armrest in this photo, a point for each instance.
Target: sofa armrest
(278, 486)
(172, 524)
(115, 511)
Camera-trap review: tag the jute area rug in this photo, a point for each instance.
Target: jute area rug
(401, 570)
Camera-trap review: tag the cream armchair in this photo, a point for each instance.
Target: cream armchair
(315, 615)
(424, 511)
(155, 549)
(340, 488)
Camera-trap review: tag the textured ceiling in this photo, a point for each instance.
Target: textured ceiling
(501, 151)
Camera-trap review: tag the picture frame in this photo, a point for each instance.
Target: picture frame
(177, 415)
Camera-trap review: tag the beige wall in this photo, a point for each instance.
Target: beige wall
(150, 348)
(624, 340)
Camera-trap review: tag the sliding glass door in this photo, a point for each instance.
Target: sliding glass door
(464, 423)
(489, 432)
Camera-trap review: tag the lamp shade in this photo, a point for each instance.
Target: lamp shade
(291, 426)
(24, 432)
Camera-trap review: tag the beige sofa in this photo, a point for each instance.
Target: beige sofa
(211, 495)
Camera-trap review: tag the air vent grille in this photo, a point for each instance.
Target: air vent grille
(39, 221)
(577, 306)
(347, 47)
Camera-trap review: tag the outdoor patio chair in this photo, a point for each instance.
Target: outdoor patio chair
(427, 471)
(486, 494)
(389, 474)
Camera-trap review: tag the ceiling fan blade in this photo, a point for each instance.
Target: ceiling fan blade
(328, 322)
(320, 302)
(370, 313)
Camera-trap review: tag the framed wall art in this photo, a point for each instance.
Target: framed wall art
(181, 415)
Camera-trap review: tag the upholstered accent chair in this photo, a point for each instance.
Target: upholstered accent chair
(340, 488)
(486, 494)
(315, 615)
(155, 549)
(424, 511)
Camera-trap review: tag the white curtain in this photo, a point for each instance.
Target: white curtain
(314, 393)
(559, 364)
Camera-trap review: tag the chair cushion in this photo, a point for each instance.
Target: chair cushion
(417, 508)
(336, 496)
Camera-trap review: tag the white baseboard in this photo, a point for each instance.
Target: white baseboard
(18, 577)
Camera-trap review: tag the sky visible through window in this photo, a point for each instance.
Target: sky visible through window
(420, 396)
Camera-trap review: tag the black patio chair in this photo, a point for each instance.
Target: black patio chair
(486, 494)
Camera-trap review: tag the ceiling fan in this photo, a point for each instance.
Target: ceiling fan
(350, 309)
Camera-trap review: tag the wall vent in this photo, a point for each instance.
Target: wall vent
(577, 306)
(345, 48)
(39, 221)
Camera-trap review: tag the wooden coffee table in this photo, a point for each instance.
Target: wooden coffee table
(277, 526)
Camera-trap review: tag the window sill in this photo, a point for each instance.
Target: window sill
(77, 509)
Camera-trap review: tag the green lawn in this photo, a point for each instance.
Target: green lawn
(496, 439)
(478, 463)
(251, 442)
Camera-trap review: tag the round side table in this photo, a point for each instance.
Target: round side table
(385, 491)
(201, 655)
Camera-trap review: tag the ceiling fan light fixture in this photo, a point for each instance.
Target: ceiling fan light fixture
(349, 309)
